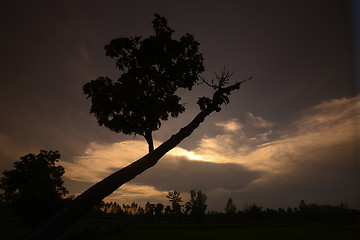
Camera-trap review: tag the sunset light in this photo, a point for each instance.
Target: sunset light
(181, 111)
(319, 136)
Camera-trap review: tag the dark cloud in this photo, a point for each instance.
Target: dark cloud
(333, 180)
(183, 175)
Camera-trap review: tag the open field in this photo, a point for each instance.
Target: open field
(103, 228)
(245, 231)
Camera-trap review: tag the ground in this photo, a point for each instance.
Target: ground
(112, 228)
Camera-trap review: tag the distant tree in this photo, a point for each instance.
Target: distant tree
(149, 209)
(230, 208)
(98, 208)
(289, 210)
(126, 208)
(34, 187)
(303, 206)
(152, 70)
(140, 210)
(159, 208)
(134, 208)
(114, 208)
(167, 210)
(197, 204)
(175, 199)
(253, 212)
(187, 207)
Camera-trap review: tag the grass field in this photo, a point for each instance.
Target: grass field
(250, 231)
(98, 228)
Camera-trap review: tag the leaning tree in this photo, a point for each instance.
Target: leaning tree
(151, 71)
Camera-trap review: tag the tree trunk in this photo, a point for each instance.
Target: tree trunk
(61, 221)
(149, 140)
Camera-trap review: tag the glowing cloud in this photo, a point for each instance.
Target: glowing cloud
(128, 193)
(258, 121)
(316, 136)
(231, 126)
(100, 159)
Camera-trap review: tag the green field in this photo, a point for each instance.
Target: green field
(99, 228)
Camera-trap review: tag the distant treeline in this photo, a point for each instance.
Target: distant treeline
(195, 209)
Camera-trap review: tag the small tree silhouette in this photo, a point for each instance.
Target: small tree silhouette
(253, 212)
(230, 208)
(159, 208)
(175, 199)
(149, 209)
(173, 65)
(197, 204)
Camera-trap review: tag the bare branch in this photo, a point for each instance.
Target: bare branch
(221, 80)
(204, 81)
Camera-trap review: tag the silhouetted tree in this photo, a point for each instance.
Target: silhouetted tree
(34, 187)
(149, 209)
(126, 209)
(175, 199)
(303, 206)
(159, 208)
(230, 209)
(134, 208)
(253, 212)
(167, 210)
(187, 208)
(98, 208)
(112, 208)
(152, 70)
(140, 210)
(197, 204)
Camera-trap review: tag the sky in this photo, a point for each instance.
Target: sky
(290, 134)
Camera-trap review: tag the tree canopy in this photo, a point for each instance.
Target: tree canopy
(152, 70)
(34, 187)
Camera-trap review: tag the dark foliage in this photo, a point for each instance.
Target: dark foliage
(34, 188)
(152, 70)
(197, 205)
(251, 213)
(230, 209)
(159, 209)
(175, 199)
